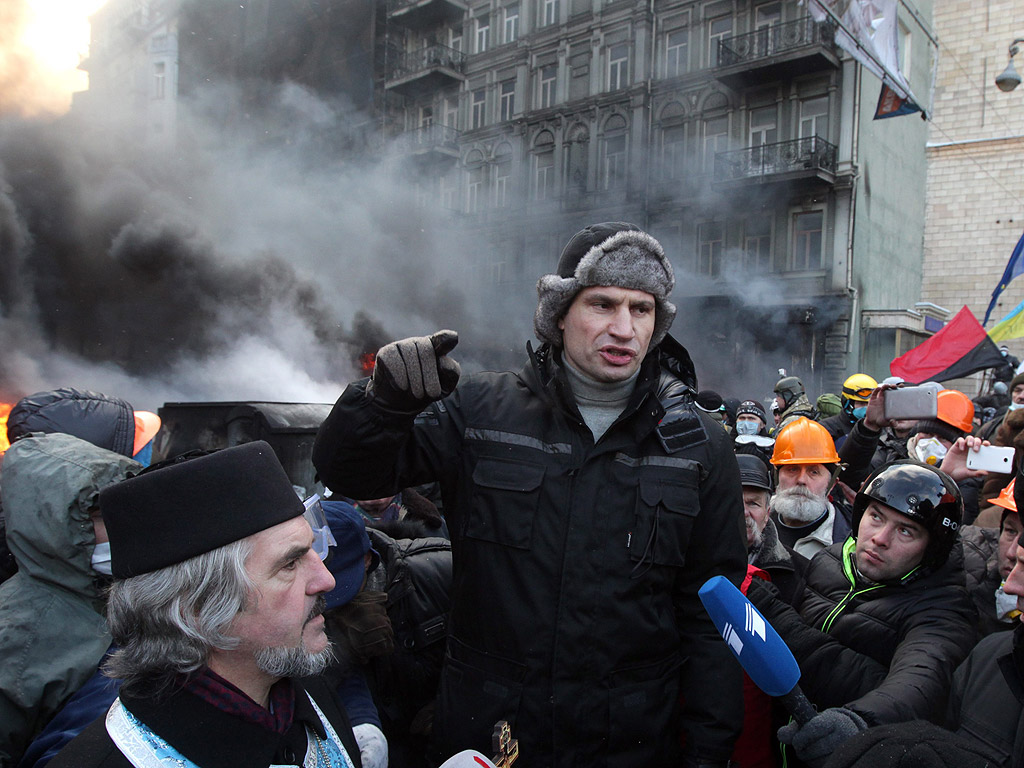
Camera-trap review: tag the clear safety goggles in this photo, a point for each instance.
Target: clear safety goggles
(761, 441)
(323, 539)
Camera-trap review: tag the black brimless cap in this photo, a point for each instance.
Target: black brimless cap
(182, 510)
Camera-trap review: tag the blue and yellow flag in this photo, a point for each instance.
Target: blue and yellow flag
(1010, 327)
(1014, 267)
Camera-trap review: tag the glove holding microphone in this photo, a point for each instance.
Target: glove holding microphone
(412, 373)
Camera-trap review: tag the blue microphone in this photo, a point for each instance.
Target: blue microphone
(755, 643)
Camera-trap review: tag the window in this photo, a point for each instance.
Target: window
(618, 66)
(479, 100)
(508, 99)
(814, 117)
(512, 23)
(449, 193)
(451, 112)
(483, 32)
(502, 175)
(673, 151)
(613, 170)
(159, 79)
(716, 139)
(474, 189)
(547, 85)
(550, 12)
(710, 243)
(455, 40)
(677, 51)
(807, 232)
(544, 167)
(426, 117)
(904, 38)
(718, 29)
(757, 244)
(767, 15)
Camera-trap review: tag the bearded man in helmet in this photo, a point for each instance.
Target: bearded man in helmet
(853, 401)
(806, 463)
(884, 618)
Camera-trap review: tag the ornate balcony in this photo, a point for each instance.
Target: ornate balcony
(430, 68)
(800, 158)
(431, 142)
(776, 52)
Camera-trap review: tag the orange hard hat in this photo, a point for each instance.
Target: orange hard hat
(1005, 497)
(804, 442)
(147, 424)
(956, 409)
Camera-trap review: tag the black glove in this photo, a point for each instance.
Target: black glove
(412, 373)
(365, 623)
(817, 739)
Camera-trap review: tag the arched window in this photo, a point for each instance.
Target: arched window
(543, 170)
(502, 174)
(614, 153)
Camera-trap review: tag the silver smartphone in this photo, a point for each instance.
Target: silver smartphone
(992, 458)
(920, 402)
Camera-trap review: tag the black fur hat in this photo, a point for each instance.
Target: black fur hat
(175, 512)
(616, 254)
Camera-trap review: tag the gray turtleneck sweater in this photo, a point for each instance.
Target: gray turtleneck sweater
(600, 403)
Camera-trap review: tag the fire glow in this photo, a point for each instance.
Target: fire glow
(5, 410)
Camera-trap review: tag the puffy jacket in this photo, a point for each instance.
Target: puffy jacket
(886, 651)
(52, 630)
(576, 566)
(987, 700)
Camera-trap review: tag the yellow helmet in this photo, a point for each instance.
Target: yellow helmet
(859, 387)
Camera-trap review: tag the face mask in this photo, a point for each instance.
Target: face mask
(101, 558)
(930, 451)
(1015, 406)
(858, 413)
(1006, 606)
(746, 428)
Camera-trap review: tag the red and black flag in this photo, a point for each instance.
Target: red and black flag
(961, 348)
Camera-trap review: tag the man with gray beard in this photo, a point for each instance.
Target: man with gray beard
(216, 610)
(806, 459)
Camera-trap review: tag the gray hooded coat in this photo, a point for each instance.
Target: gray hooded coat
(52, 630)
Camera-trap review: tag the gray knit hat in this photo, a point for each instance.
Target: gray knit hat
(615, 254)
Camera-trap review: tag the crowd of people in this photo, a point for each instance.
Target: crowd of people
(504, 567)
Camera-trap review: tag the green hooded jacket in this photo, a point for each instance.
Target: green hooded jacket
(52, 630)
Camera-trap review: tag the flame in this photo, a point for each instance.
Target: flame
(5, 409)
(367, 361)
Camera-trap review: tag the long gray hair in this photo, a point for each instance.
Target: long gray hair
(167, 622)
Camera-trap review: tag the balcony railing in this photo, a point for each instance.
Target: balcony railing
(810, 154)
(429, 57)
(776, 39)
(429, 137)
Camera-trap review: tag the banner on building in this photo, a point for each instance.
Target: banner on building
(891, 105)
(961, 348)
(869, 31)
(1014, 268)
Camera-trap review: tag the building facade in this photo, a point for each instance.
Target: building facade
(736, 131)
(975, 161)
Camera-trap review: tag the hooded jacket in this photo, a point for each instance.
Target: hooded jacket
(52, 629)
(575, 613)
(886, 651)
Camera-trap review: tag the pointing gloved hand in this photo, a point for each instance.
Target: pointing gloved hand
(364, 622)
(816, 740)
(414, 372)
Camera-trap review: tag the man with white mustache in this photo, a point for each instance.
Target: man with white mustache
(806, 460)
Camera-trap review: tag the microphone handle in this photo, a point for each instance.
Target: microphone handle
(798, 705)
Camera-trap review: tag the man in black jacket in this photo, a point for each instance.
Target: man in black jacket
(216, 608)
(588, 499)
(884, 618)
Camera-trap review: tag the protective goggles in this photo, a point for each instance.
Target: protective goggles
(863, 393)
(323, 539)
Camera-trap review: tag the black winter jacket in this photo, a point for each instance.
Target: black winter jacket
(987, 700)
(576, 566)
(885, 651)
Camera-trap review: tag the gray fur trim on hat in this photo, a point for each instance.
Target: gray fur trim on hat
(627, 259)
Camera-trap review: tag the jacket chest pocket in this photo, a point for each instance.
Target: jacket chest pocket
(665, 513)
(505, 497)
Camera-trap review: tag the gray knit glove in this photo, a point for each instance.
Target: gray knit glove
(412, 373)
(817, 739)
